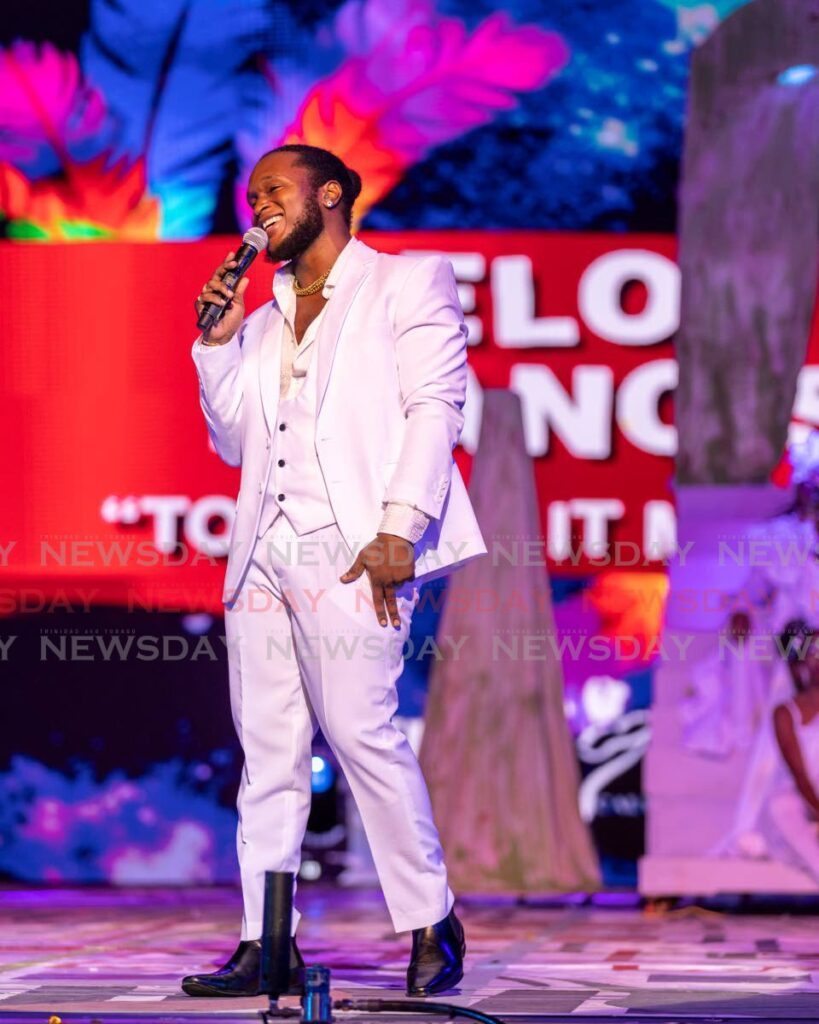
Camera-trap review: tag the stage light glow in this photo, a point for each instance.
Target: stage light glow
(798, 74)
(197, 623)
(322, 774)
(310, 870)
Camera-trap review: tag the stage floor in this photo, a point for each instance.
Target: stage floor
(103, 954)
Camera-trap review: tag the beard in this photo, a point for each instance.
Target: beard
(301, 236)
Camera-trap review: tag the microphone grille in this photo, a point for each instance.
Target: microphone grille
(257, 237)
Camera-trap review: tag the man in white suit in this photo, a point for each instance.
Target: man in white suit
(341, 400)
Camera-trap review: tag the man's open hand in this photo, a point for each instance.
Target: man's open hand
(390, 562)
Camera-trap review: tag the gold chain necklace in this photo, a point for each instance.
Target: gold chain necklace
(311, 289)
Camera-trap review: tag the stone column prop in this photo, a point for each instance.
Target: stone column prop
(497, 753)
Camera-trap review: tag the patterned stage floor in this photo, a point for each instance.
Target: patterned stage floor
(104, 953)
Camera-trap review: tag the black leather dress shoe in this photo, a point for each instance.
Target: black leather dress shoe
(437, 961)
(240, 975)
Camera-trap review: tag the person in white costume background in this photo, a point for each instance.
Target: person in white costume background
(342, 400)
(728, 695)
(794, 806)
(777, 812)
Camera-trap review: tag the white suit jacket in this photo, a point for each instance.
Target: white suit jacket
(391, 369)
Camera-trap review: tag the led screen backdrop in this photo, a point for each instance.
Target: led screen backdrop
(535, 144)
(140, 120)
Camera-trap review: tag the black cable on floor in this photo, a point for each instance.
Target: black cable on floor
(414, 1006)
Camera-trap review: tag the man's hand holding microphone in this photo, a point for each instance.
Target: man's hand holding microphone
(218, 293)
(220, 306)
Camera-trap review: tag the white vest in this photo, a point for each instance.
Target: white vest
(295, 485)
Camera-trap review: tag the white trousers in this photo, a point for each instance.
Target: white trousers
(307, 651)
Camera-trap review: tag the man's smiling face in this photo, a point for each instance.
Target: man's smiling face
(285, 205)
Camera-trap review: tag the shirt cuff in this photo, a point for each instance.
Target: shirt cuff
(403, 520)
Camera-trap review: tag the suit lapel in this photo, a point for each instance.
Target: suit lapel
(352, 278)
(270, 363)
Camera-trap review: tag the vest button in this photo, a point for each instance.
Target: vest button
(280, 497)
(280, 462)
(282, 426)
